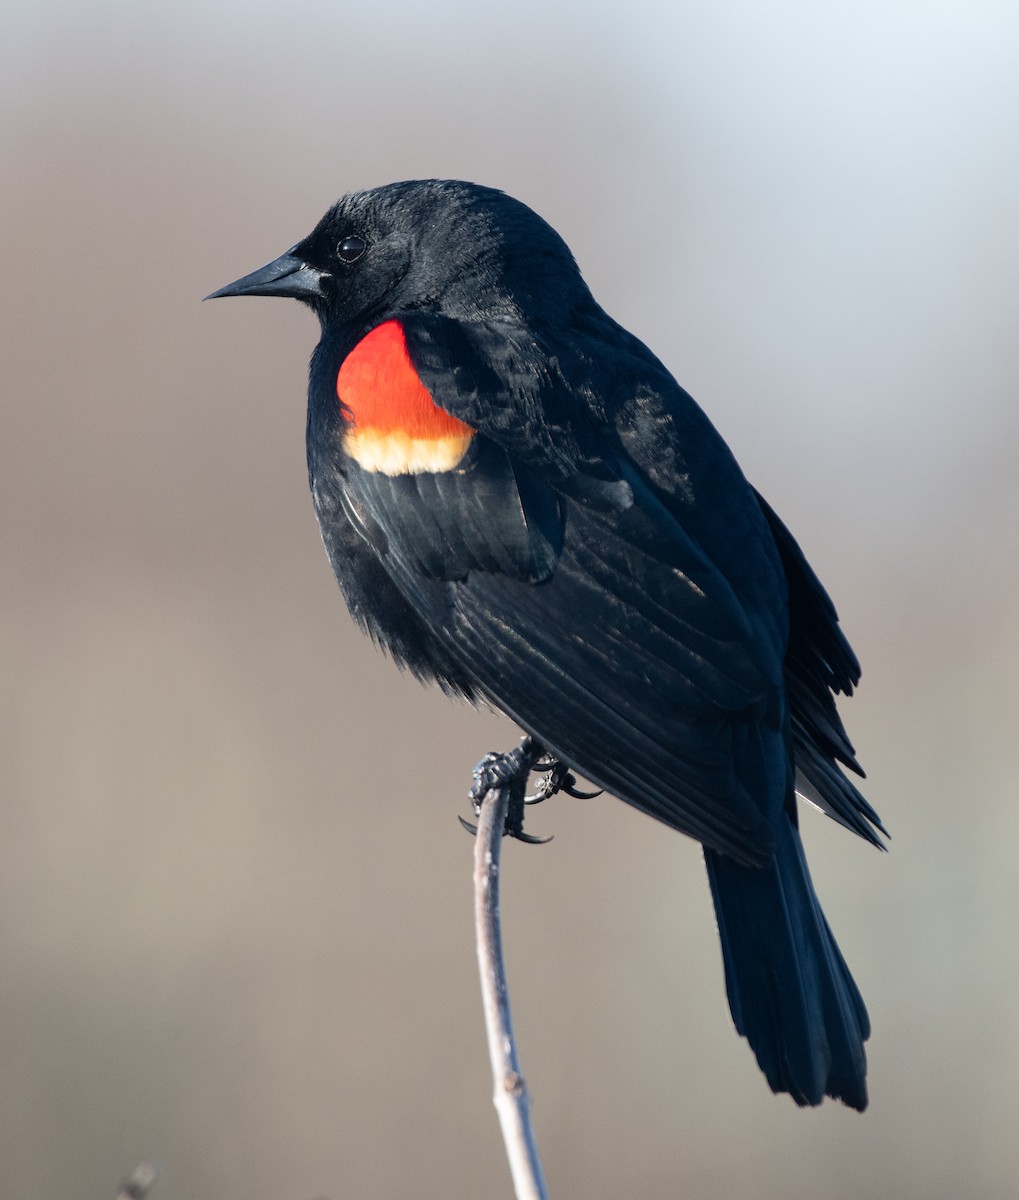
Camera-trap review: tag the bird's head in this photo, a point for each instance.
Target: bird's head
(468, 252)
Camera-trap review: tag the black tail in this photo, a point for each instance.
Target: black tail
(790, 991)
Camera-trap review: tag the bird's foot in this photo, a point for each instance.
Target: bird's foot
(512, 770)
(557, 778)
(496, 770)
(509, 770)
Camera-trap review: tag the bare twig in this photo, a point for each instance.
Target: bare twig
(511, 1098)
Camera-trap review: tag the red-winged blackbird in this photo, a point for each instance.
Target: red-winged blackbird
(521, 503)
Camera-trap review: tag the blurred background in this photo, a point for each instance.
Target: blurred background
(235, 910)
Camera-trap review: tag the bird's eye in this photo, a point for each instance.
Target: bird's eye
(351, 248)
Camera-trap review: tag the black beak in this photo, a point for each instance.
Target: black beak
(287, 275)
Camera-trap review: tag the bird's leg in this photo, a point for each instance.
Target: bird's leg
(512, 770)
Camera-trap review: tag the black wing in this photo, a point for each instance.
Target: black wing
(579, 579)
(819, 663)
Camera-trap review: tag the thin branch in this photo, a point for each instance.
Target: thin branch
(512, 1102)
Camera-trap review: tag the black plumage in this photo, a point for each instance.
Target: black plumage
(594, 564)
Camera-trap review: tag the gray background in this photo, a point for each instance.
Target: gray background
(235, 928)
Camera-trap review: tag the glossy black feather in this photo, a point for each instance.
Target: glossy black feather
(488, 515)
(598, 567)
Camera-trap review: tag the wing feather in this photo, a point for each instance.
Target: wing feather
(561, 567)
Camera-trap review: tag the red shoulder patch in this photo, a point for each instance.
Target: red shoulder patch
(393, 424)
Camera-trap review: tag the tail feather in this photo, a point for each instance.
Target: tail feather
(790, 991)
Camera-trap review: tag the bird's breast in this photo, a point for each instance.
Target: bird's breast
(393, 424)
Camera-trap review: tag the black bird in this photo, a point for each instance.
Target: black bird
(521, 503)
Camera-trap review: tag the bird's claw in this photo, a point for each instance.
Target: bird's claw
(507, 770)
(571, 789)
(557, 778)
(512, 769)
(493, 771)
(527, 838)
